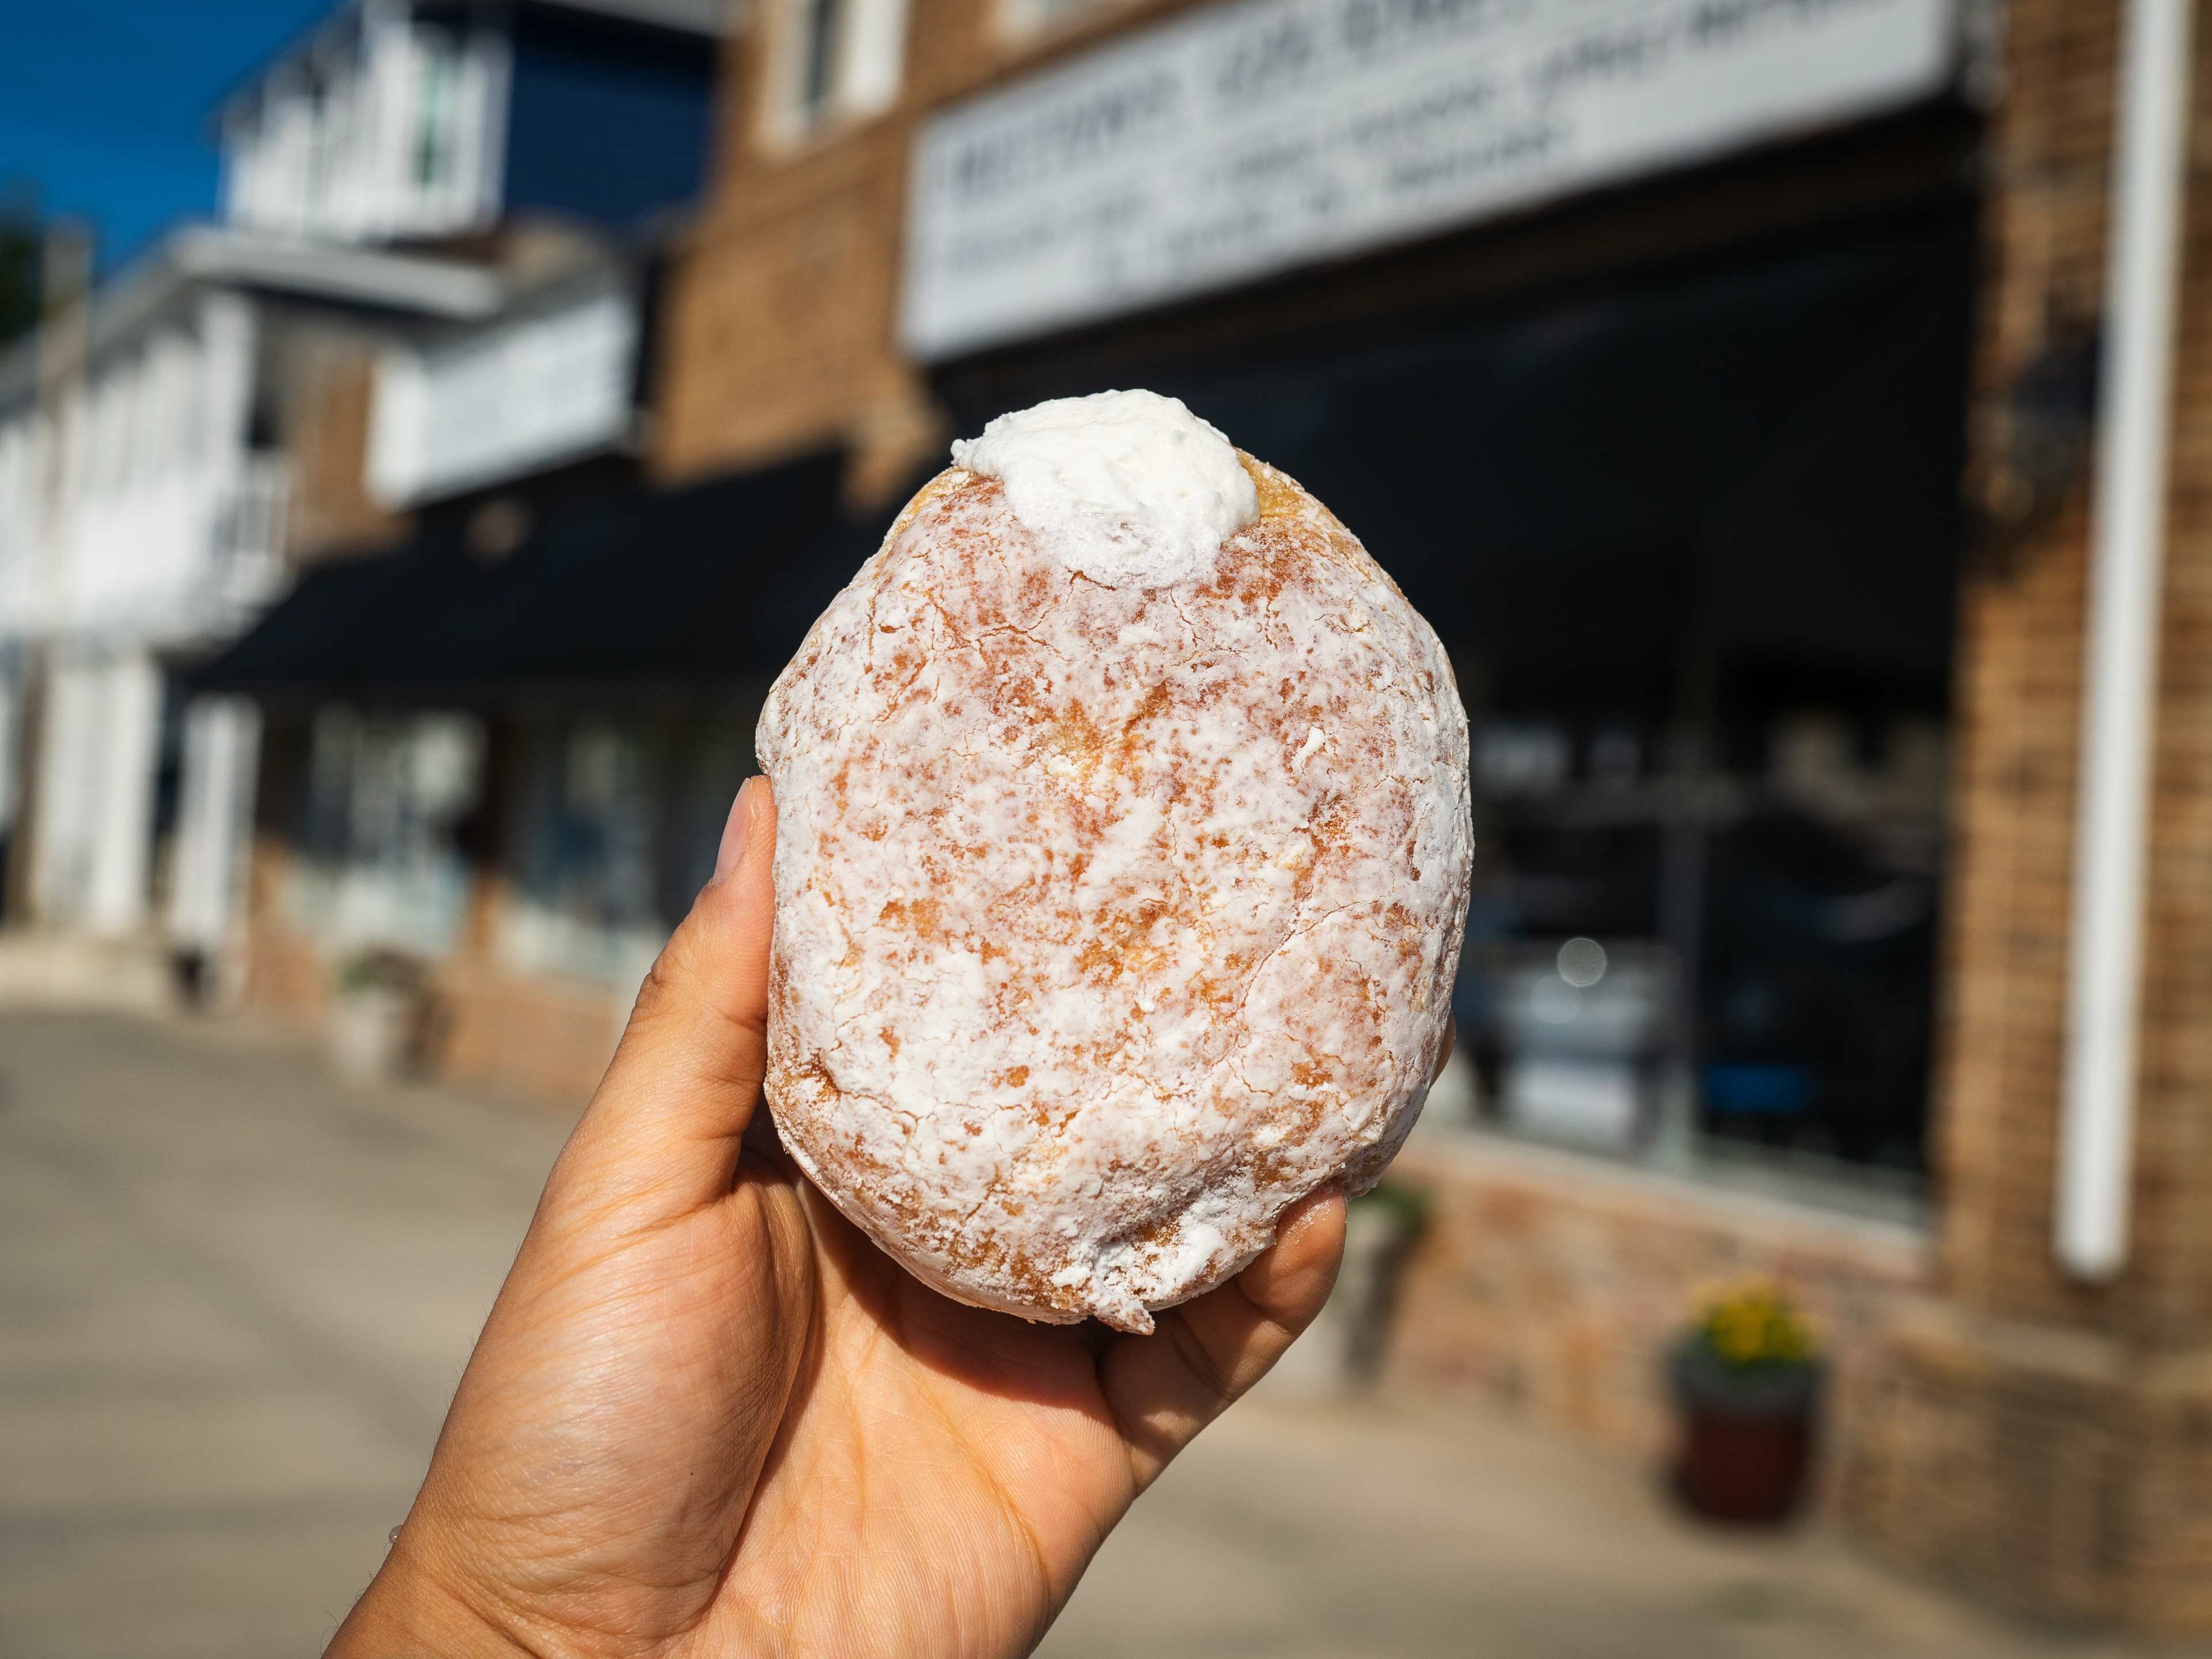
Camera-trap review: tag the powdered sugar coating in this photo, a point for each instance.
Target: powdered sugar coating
(1110, 920)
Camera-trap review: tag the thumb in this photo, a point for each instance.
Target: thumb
(662, 1136)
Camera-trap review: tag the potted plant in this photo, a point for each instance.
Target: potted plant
(376, 1013)
(1745, 1380)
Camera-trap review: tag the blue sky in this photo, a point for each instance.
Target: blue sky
(104, 103)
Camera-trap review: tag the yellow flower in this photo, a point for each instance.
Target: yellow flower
(1755, 1322)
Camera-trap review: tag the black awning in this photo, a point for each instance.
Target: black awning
(326, 631)
(667, 588)
(775, 611)
(646, 583)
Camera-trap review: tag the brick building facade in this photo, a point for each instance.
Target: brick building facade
(2044, 1439)
(1999, 1422)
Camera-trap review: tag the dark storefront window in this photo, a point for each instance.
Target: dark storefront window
(1692, 540)
(1707, 656)
(1744, 948)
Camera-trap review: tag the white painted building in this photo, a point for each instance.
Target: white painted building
(144, 481)
(418, 119)
(142, 510)
(384, 127)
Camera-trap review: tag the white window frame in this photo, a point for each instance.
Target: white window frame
(866, 71)
(438, 81)
(1024, 20)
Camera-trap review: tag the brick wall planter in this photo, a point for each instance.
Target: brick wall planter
(1552, 1283)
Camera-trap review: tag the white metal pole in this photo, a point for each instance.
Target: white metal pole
(2111, 835)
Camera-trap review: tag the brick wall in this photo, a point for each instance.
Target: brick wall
(330, 386)
(780, 332)
(2019, 692)
(780, 323)
(535, 1034)
(285, 975)
(2040, 1466)
(539, 1035)
(2018, 689)
(1551, 1284)
(2046, 1443)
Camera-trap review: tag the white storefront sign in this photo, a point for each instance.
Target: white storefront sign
(1250, 138)
(505, 399)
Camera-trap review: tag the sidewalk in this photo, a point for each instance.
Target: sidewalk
(236, 1294)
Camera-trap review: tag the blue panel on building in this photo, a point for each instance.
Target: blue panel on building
(605, 124)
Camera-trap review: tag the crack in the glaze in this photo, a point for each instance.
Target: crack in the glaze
(1290, 939)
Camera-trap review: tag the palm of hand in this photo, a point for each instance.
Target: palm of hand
(708, 1416)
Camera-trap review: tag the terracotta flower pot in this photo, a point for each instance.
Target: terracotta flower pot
(1747, 1434)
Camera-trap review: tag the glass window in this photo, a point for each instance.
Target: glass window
(386, 800)
(819, 21)
(1693, 541)
(591, 824)
(1740, 947)
(437, 111)
(620, 821)
(842, 59)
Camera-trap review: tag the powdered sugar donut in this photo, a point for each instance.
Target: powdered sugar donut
(1122, 860)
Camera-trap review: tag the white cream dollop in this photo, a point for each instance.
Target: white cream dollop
(1123, 487)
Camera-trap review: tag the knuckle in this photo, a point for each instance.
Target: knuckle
(661, 991)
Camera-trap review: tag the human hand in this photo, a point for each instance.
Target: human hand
(708, 1416)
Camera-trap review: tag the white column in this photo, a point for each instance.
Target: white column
(403, 112)
(221, 741)
(69, 754)
(872, 57)
(2096, 1136)
(121, 827)
(226, 344)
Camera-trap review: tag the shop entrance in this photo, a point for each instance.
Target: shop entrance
(1693, 539)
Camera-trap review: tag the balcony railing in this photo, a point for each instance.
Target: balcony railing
(248, 554)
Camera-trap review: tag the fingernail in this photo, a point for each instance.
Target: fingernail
(734, 832)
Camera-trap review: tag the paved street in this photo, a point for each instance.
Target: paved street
(235, 1295)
